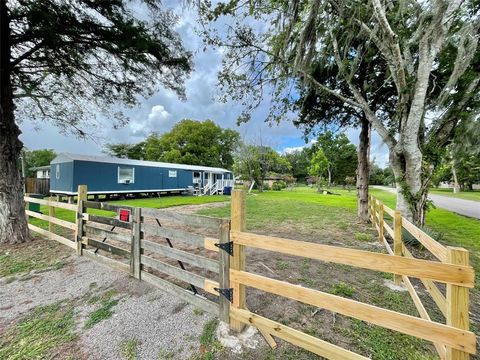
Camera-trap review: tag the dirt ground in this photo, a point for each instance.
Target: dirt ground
(172, 330)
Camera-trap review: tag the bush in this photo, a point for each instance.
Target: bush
(279, 185)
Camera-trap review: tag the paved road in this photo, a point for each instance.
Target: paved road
(468, 208)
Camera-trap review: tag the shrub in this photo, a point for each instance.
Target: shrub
(279, 185)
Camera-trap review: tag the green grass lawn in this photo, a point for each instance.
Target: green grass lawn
(466, 195)
(155, 203)
(300, 205)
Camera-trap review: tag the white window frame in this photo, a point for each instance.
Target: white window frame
(57, 171)
(197, 180)
(172, 173)
(132, 180)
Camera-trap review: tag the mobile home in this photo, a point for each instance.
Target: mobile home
(110, 175)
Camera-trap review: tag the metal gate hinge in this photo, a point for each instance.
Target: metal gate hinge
(227, 293)
(228, 247)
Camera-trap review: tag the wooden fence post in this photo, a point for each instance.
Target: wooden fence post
(369, 206)
(224, 274)
(51, 213)
(81, 197)
(374, 212)
(457, 302)
(380, 222)
(237, 213)
(135, 246)
(397, 240)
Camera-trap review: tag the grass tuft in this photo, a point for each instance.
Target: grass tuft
(363, 236)
(42, 330)
(129, 349)
(104, 312)
(343, 289)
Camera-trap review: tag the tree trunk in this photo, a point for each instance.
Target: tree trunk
(456, 186)
(13, 223)
(329, 177)
(363, 170)
(412, 192)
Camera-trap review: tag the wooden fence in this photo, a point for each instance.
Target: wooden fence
(218, 278)
(37, 186)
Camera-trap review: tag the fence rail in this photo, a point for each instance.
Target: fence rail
(155, 245)
(454, 304)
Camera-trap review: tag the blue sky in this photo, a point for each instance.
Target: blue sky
(160, 112)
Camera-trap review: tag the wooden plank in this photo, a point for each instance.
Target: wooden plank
(458, 303)
(210, 285)
(53, 220)
(135, 246)
(238, 224)
(173, 234)
(426, 240)
(209, 244)
(432, 289)
(82, 196)
(51, 214)
(389, 211)
(57, 204)
(374, 212)
(186, 219)
(447, 273)
(109, 221)
(184, 275)
(380, 222)
(298, 338)
(52, 236)
(224, 273)
(106, 206)
(389, 229)
(181, 293)
(184, 256)
(114, 264)
(115, 250)
(397, 240)
(441, 349)
(95, 232)
(427, 330)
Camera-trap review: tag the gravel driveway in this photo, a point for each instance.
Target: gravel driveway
(464, 207)
(157, 321)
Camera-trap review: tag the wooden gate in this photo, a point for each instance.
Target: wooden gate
(166, 249)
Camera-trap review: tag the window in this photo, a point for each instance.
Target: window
(126, 175)
(57, 171)
(172, 173)
(197, 177)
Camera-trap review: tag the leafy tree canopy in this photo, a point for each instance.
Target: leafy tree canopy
(189, 142)
(299, 161)
(74, 59)
(341, 155)
(318, 164)
(255, 162)
(35, 158)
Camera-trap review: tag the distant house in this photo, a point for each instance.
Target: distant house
(272, 178)
(42, 172)
(109, 175)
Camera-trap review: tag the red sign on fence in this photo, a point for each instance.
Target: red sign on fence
(124, 215)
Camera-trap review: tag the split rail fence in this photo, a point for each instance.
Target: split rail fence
(217, 277)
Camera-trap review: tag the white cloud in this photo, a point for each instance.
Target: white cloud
(288, 150)
(158, 120)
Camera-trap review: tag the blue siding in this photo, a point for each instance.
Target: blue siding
(103, 177)
(65, 181)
